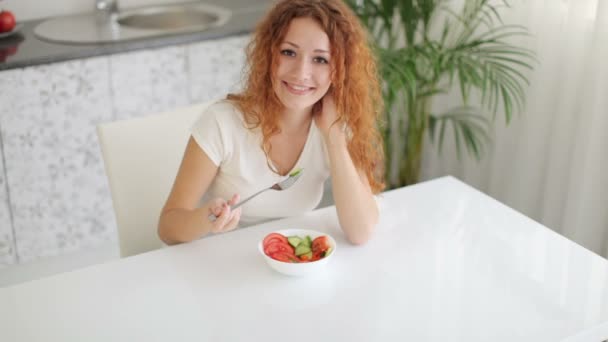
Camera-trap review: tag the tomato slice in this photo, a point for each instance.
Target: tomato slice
(284, 257)
(271, 236)
(280, 256)
(273, 240)
(274, 247)
(320, 244)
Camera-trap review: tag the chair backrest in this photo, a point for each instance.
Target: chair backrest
(141, 159)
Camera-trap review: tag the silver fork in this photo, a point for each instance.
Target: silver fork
(280, 186)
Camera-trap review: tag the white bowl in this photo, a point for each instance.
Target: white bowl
(298, 269)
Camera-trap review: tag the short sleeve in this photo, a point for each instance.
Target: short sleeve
(207, 132)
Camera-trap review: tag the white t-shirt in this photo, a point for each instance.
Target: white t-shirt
(221, 132)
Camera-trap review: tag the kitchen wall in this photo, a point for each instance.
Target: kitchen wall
(36, 9)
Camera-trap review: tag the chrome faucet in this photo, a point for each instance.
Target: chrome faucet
(106, 8)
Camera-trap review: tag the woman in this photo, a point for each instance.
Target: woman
(311, 101)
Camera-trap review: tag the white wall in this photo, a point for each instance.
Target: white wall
(35, 9)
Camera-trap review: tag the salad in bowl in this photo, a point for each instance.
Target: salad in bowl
(297, 251)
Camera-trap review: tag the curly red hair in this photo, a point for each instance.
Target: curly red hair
(354, 79)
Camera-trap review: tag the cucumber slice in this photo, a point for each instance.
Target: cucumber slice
(327, 252)
(302, 249)
(294, 241)
(307, 241)
(295, 172)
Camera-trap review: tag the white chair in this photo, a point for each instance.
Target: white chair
(141, 159)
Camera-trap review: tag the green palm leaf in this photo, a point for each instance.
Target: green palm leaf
(473, 51)
(470, 128)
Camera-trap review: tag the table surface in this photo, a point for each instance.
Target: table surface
(447, 263)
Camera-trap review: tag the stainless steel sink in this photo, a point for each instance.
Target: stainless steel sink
(136, 23)
(169, 18)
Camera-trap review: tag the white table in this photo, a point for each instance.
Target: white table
(447, 263)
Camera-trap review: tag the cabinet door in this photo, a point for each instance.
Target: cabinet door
(54, 170)
(216, 67)
(8, 106)
(7, 247)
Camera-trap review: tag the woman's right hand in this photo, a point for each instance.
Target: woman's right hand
(227, 219)
(183, 219)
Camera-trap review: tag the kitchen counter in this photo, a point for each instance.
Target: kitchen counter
(29, 50)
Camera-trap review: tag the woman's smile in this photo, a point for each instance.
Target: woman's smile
(297, 89)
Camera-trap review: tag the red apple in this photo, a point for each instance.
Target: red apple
(10, 50)
(7, 21)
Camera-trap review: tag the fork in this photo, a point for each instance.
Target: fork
(280, 186)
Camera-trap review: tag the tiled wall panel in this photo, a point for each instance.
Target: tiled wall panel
(216, 67)
(149, 81)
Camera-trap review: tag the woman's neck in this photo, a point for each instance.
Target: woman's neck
(293, 122)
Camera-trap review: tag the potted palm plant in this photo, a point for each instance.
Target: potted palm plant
(428, 47)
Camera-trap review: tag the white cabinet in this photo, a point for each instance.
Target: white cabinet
(53, 169)
(7, 248)
(10, 102)
(56, 190)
